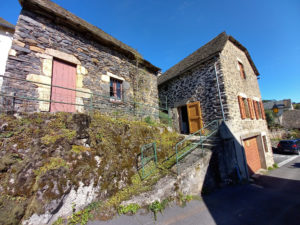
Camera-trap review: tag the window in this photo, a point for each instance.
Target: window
(242, 71)
(115, 89)
(245, 107)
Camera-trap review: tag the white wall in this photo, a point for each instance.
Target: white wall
(5, 44)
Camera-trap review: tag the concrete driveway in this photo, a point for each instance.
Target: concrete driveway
(273, 199)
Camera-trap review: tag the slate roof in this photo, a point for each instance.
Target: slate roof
(53, 11)
(6, 24)
(203, 54)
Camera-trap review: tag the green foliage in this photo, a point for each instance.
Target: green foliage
(82, 217)
(132, 208)
(156, 207)
(59, 221)
(149, 120)
(275, 165)
(183, 199)
(270, 117)
(296, 106)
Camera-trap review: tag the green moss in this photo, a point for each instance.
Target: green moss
(52, 164)
(50, 144)
(52, 138)
(79, 149)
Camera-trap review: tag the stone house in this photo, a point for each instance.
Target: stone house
(53, 48)
(219, 81)
(6, 35)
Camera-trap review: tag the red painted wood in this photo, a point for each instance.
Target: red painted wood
(63, 75)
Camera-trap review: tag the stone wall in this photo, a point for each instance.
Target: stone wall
(38, 40)
(197, 84)
(235, 85)
(291, 119)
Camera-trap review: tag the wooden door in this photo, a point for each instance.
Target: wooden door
(63, 75)
(252, 155)
(194, 116)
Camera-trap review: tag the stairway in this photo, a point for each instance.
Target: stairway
(201, 150)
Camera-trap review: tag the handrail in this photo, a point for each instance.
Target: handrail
(80, 91)
(178, 157)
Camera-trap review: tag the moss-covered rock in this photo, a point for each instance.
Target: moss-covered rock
(44, 156)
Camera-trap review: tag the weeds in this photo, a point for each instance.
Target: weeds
(157, 206)
(132, 208)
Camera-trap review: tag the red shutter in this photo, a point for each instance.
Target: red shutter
(250, 103)
(242, 107)
(262, 110)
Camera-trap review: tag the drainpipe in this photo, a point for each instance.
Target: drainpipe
(222, 108)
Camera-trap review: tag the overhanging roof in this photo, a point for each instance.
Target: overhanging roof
(53, 11)
(6, 24)
(203, 54)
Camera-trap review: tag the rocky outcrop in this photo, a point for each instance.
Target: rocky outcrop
(52, 165)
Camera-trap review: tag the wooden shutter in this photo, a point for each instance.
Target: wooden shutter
(256, 109)
(262, 110)
(194, 116)
(242, 107)
(250, 104)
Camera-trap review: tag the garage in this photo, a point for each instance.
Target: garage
(252, 154)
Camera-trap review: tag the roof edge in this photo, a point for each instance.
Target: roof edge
(65, 17)
(244, 49)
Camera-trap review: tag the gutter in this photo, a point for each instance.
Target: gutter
(220, 98)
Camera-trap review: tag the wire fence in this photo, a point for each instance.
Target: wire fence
(22, 95)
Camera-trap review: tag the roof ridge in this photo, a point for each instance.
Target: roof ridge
(67, 18)
(212, 47)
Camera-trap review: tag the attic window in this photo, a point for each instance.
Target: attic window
(242, 71)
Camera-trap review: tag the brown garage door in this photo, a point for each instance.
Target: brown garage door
(252, 155)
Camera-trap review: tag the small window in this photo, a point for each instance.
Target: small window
(116, 89)
(242, 71)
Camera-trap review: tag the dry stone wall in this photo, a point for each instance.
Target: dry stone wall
(39, 40)
(198, 84)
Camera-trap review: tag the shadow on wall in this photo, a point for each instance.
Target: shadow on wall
(272, 200)
(227, 164)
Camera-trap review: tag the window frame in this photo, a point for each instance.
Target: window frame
(242, 70)
(113, 89)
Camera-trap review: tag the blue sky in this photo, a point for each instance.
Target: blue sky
(166, 31)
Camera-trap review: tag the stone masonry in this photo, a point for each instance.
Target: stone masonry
(194, 79)
(39, 39)
(197, 84)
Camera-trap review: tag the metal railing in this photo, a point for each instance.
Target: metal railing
(148, 155)
(12, 97)
(187, 145)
